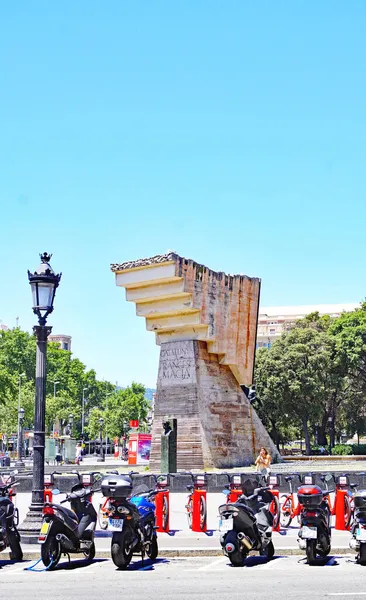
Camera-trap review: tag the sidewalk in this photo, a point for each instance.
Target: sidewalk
(181, 541)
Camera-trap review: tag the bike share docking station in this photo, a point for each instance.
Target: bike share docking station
(197, 503)
(162, 503)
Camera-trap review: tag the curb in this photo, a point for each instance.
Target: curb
(192, 552)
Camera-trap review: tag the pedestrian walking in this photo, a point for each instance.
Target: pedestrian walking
(78, 454)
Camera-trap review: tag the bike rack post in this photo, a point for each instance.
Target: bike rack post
(159, 511)
(196, 506)
(339, 510)
(234, 495)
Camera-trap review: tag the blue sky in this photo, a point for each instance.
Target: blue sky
(232, 132)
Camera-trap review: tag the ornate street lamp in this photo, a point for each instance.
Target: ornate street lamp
(20, 463)
(101, 457)
(44, 283)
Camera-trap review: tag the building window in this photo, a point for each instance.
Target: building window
(272, 331)
(264, 344)
(65, 346)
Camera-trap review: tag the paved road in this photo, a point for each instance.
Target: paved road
(189, 579)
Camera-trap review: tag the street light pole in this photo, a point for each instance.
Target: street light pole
(44, 283)
(106, 426)
(20, 386)
(101, 457)
(54, 398)
(83, 411)
(20, 463)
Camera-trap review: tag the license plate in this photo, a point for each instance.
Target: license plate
(361, 534)
(309, 533)
(226, 524)
(116, 524)
(45, 527)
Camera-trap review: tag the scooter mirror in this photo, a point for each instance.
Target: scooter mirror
(56, 491)
(226, 492)
(328, 477)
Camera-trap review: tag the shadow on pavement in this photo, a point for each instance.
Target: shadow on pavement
(146, 565)
(78, 564)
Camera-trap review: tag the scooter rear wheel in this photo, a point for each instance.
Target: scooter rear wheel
(237, 559)
(51, 552)
(311, 551)
(121, 550)
(362, 555)
(15, 547)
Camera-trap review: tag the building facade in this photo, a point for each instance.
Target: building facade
(64, 341)
(273, 320)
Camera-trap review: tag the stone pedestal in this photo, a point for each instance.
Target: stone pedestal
(217, 427)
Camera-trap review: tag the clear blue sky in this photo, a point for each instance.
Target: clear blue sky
(233, 132)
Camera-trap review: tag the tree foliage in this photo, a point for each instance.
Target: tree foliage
(314, 376)
(17, 365)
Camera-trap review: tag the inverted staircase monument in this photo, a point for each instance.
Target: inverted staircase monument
(205, 323)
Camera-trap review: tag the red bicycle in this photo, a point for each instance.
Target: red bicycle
(289, 504)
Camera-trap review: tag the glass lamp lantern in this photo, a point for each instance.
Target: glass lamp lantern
(44, 283)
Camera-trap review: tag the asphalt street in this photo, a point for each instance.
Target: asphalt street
(189, 579)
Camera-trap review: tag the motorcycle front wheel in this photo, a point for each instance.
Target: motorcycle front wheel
(121, 550)
(51, 552)
(90, 553)
(152, 549)
(268, 551)
(15, 547)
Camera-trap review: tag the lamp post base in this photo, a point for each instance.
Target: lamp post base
(31, 526)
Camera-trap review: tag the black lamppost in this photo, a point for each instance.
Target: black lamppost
(44, 283)
(101, 453)
(19, 463)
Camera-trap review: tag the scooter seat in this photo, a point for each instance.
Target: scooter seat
(68, 512)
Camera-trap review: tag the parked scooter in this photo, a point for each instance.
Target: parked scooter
(315, 532)
(358, 528)
(64, 530)
(246, 525)
(9, 535)
(131, 518)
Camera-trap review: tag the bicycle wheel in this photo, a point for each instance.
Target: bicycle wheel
(275, 510)
(189, 509)
(165, 512)
(347, 512)
(203, 513)
(286, 510)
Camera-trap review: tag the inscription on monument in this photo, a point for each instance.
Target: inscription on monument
(177, 364)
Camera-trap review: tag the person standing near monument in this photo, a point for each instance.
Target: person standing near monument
(263, 460)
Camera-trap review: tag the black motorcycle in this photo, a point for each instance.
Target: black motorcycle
(315, 532)
(358, 528)
(246, 525)
(9, 535)
(67, 531)
(131, 518)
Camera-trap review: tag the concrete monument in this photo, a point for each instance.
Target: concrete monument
(205, 323)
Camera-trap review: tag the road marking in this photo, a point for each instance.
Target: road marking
(213, 564)
(346, 594)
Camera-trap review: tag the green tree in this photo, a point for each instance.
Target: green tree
(298, 378)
